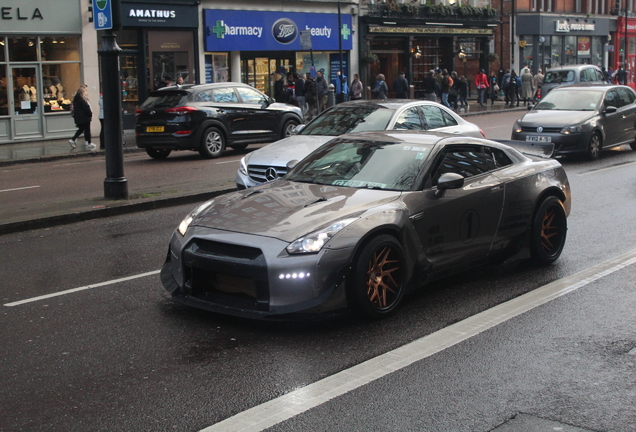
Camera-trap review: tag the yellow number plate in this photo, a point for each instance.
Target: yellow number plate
(154, 128)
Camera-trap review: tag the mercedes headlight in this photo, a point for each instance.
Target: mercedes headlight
(185, 223)
(243, 165)
(315, 241)
(572, 129)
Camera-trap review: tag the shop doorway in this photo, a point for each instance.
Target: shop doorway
(26, 116)
(259, 71)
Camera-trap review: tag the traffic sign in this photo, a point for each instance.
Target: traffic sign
(103, 14)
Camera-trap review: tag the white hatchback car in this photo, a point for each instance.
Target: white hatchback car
(270, 162)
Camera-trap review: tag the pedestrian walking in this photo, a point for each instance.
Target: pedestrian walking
(463, 93)
(527, 86)
(310, 97)
(300, 94)
(505, 86)
(101, 122)
(538, 83)
(380, 90)
(620, 76)
(493, 89)
(512, 88)
(453, 91)
(279, 87)
(430, 86)
(341, 88)
(401, 87)
(481, 83)
(447, 82)
(322, 89)
(356, 88)
(82, 114)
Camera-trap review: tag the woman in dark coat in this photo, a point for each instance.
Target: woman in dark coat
(83, 114)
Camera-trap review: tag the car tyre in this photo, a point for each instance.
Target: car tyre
(378, 283)
(633, 145)
(288, 128)
(594, 147)
(212, 143)
(549, 229)
(158, 153)
(239, 147)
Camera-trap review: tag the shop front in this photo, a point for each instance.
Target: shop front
(622, 56)
(40, 69)
(158, 42)
(252, 46)
(547, 41)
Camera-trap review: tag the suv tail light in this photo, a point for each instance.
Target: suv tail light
(180, 110)
(138, 111)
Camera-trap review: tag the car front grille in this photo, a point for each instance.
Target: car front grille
(265, 173)
(533, 129)
(227, 275)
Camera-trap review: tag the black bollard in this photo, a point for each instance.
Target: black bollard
(115, 184)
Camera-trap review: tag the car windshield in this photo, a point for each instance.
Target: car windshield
(345, 119)
(566, 100)
(363, 164)
(559, 77)
(165, 99)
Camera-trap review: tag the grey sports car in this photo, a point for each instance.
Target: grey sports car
(365, 219)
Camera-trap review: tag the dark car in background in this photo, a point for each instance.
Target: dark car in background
(571, 74)
(583, 119)
(208, 118)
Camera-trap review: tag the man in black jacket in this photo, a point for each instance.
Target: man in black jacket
(322, 88)
(300, 93)
(401, 87)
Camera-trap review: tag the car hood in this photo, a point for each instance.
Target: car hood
(287, 210)
(552, 118)
(287, 149)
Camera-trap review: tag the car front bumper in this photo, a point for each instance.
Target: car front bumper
(253, 276)
(563, 144)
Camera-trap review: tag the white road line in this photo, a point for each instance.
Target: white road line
(87, 287)
(299, 401)
(226, 162)
(606, 169)
(21, 188)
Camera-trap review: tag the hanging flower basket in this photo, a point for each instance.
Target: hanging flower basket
(492, 57)
(371, 59)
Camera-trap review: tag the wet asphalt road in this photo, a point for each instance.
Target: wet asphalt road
(119, 357)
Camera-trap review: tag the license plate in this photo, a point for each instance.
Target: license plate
(154, 128)
(539, 138)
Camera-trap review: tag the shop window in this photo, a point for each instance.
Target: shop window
(555, 55)
(570, 50)
(216, 69)
(60, 82)
(4, 99)
(2, 45)
(60, 48)
(23, 49)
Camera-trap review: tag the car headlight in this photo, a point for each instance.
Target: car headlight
(185, 223)
(572, 129)
(315, 241)
(516, 128)
(243, 165)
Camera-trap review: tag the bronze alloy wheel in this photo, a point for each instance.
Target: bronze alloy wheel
(378, 286)
(381, 286)
(549, 231)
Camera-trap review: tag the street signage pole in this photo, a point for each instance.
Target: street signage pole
(107, 17)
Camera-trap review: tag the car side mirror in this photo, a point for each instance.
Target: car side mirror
(530, 107)
(610, 109)
(298, 128)
(448, 181)
(291, 164)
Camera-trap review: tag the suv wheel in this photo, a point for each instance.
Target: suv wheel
(288, 128)
(212, 143)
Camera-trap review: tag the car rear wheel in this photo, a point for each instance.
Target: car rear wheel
(378, 284)
(548, 233)
(594, 147)
(158, 154)
(288, 128)
(212, 143)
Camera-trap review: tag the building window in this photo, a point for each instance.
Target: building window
(23, 49)
(4, 98)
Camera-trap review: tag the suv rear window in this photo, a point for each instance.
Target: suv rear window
(165, 99)
(559, 76)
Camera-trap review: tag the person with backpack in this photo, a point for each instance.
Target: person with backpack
(380, 90)
(82, 114)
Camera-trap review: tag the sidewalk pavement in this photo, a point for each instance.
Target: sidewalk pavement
(80, 208)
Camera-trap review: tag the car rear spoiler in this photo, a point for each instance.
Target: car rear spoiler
(531, 148)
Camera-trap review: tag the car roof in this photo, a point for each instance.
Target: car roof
(417, 137)
(572, 67)
(588, 86)
(390, 103)
(196, 87)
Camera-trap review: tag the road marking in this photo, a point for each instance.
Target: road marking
(87, 287)
(230, 161)
(21, 188)
(299, 401)
(594, 171)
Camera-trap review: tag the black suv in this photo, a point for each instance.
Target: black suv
(209, 117)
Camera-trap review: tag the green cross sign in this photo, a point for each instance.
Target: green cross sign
(345, 32)
(219, 30)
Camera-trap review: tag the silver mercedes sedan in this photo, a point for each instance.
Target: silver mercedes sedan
(270, 162)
